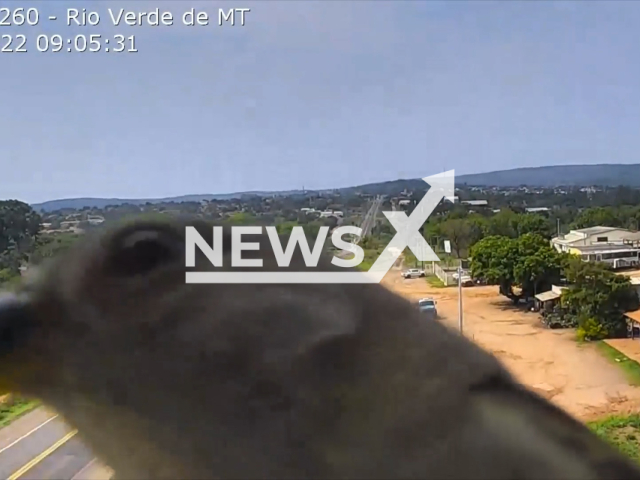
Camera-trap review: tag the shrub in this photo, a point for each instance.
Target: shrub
(590, 329)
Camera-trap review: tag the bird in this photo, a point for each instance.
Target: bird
(165, 379)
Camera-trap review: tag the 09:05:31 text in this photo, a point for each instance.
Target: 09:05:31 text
(78, 43)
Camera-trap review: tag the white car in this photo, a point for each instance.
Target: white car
(413, 273)
(466, 281)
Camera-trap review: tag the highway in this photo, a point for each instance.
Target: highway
(40, 446)
(369, 220)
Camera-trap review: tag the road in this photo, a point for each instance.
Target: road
(369, 220)
(40, 446)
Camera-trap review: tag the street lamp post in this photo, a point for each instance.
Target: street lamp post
(447, 248)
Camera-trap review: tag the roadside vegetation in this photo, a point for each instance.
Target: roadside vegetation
(13, 407)
(623, 432)
(630, 367)
(435, 281)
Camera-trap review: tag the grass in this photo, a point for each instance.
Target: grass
(630, 367)
(435, 281)
(623, 432)
(15, 408)
(370, 256)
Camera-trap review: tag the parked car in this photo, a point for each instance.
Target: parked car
(413, 273)
(466, 281)
(427, 306)
(465, 278)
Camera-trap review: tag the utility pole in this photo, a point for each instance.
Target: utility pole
(460, 297)
(447, 249)
(558, 222)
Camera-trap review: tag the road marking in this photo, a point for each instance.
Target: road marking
(27, 434)
(83, 469)
(42, 456)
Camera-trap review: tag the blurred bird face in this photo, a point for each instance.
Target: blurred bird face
(170, 380)
(78, 296)
(112, 324)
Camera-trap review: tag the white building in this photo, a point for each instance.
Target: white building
(616, 246)
(586, 237)
(537, 209)
(95, 219)
(475, 203)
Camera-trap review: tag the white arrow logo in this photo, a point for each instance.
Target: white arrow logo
(408, 228)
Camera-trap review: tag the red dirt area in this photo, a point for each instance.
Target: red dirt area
(575, 377)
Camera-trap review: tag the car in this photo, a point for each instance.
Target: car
(455, 274)
(465, 278)
(427, 306)
(466, 281)
(413, 273)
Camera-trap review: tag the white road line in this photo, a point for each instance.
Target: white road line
(27, 434)
(77, 475)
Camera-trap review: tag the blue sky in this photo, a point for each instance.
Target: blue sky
(320, 94)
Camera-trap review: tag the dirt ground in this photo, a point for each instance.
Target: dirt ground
(575, 377)
(631, 273)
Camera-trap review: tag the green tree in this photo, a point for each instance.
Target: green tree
(598, 216)
(598, 295)
(19, 227)
(504, 223)
(493, 259)
(533, 223)
(48, 246)
(241, 218)
(458, 231)
(538, 264)
(527, 262)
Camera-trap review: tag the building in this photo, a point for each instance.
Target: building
(633, 323)
(95, 219)
(537, 209)
(617, 256)
(69, 224)
(475, 203)
(617, 247)
(452, 199)
(586, 237)
(546, 300)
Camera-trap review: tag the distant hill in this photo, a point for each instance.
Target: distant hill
(560, 175)
(609, 175)
(78, 203)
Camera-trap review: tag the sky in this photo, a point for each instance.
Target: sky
(314, 94)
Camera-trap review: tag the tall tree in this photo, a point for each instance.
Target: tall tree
(598, 298)
(458, 232)
(528, 262)
(19, 227)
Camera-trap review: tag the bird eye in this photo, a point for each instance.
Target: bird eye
(141, 251)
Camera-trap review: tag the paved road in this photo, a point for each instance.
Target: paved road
(40, 446)
(369, 220)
